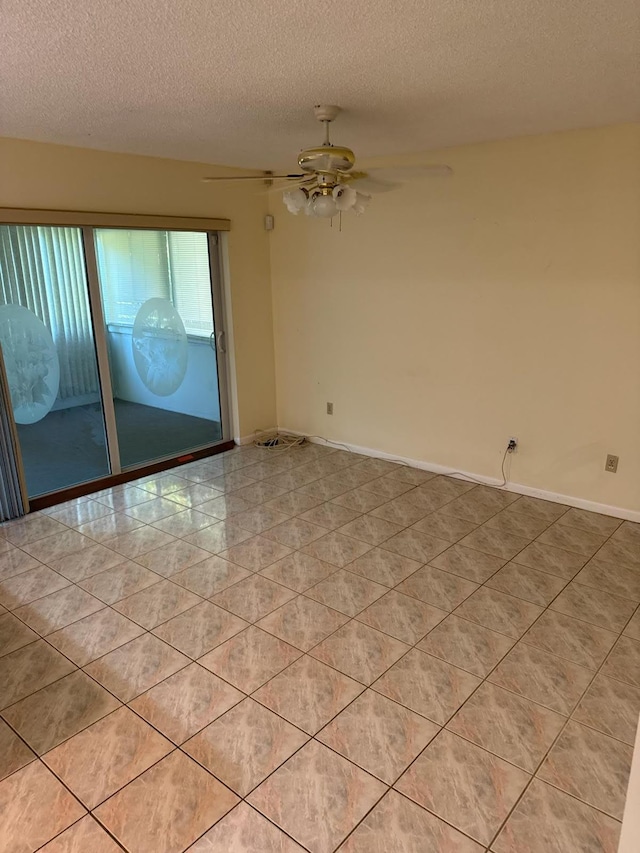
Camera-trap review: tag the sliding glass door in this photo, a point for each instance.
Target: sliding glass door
(47, 339)
(114, 348)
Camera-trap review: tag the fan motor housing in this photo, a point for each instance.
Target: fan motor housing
(327, 159)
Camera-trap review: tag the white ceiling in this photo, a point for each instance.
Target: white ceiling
(234, 82)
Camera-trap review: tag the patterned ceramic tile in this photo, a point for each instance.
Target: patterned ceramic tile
(31, 528)
(555, 561)
(465, 785)
(337, 549)
(522, 524)
(569, 638)
(219, 537)
(172, 558)
(57, 610)
(507, 725)
(499, 612)
(546, 819)
(253, 598)
(244, 830)
(94, 636)
(359, 500)
(413, 476)
(467, 563)
(621, 551)
(186, 702)
(28, 586)
(29, 669)
(184, 522)
(302, 622)
(167, 808)
(611, 707)
(34, 791)
(479, 504)
(14, 634)
(199, 629)
(633, 628)
(497, 543)
(385, 567)
(101, 759)
(308, 694)
(135, 667)
(123, 498)
(396, 825)
(408, 619)
(260, 518)
(293, 503)
(14, 753)
(544, 678)
(83, 564)
(427, 685)
(245, 745)
(299, 571)
(418, 546)
(624, 661)
(223, 507)
(548, 510)
(13, 561)
(156, 604)
(388, 487)
(592, 522)
(120, 582)
(138, 542)
(570, 539)
(616, 579)
(109, 527)
(594, 605)
(295, 533)
(359, 651)
(154, 510)
(438, 588)
(523, 582)
(84, 835)
(379, 735)
(330, 515)
(346, 592)
(210, 576)
(444, 526)
(256, 553)
(591, 766)
(317, 797)
(59, 711)
(250, 659)
(194, 495)
(370, 529)
(466, 645)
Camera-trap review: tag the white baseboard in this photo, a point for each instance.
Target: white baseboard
(249, 439)
(518, 488)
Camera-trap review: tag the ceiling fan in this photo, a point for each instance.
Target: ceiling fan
(328, 183)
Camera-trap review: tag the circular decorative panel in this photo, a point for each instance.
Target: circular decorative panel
(31, 362)
(160, 349)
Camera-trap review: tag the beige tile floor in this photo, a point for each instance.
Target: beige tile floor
(312, 650)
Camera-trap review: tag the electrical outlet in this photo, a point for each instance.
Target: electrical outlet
(611, 464)
(512, 445)
(329, 408)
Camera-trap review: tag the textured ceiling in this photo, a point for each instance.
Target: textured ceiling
(234, 83)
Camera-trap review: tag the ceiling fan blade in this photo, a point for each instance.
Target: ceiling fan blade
(410, 173)
(211, 180)
(369, 184)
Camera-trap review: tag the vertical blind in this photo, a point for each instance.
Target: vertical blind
(12, 502)
(136, 265)
(42, 269)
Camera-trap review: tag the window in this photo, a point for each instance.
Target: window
(138, 265)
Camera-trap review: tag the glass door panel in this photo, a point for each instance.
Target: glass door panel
(46, 335)
(157, 303)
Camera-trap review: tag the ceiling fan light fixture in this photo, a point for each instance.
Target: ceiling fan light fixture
(345, 197)
(361, 202)
(324, 206)
(296, 200)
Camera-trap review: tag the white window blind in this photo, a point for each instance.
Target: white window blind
(138, 265)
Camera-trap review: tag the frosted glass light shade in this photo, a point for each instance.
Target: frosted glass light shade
(325, 206)
(295, 200)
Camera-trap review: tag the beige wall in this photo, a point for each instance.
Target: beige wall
(458, 312)
(37, 175)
